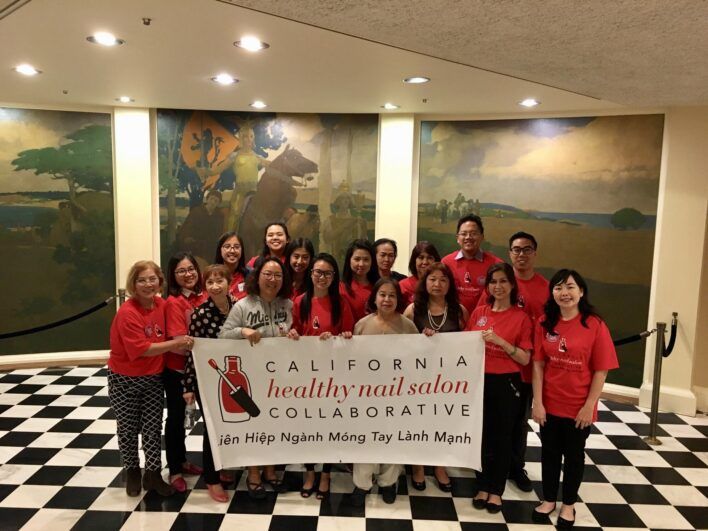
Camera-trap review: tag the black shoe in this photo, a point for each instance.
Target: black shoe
(152, 480)
(493, 508)
(389, 493)
(479, 503)
(541, 518)
(358, 497)
(562, 523)
(445, 487)
(132, 481)
(522, 481)
(418, 485)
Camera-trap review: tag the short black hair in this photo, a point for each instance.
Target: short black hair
(525, 236)
(371, 301)
(474, 218)
(252, 287)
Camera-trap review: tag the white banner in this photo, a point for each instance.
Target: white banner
(406, 399)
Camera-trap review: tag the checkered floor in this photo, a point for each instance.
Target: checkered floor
(60, 469)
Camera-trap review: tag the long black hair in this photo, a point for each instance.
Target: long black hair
(552, 310)
(347, 273)
(282, 225)
(173, 288)
(422, 297)
(332, 292)
(219, 259)
(509, 272)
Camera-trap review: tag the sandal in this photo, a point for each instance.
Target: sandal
(322, 494)
(278, 485)
(306, 493)
(256, 490)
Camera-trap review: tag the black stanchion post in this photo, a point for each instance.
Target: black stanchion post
(656, 386)
(121, 296)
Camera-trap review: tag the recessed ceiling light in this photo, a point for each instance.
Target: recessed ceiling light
(125, 99)
(415, 80)
(224, 79)
(27, 70)
(258, 104)
(390, 106)
(529, 102)
(252, 44)
(105, 39)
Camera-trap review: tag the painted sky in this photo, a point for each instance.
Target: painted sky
(555, 165)
(22, 129)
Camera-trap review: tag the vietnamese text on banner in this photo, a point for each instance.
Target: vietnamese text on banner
(406, 399)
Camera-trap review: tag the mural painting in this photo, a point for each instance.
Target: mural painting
(56, 228)
(224, 171)
(586, 188)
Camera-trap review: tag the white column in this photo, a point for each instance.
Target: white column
(678, 254)
(133, 190)
(396, 214)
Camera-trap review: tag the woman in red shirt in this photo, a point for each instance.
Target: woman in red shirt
(275, 238)
(358, 276)
(507, 332)
(184, 288)
(423, 256)
(298, 261)
(573, 352)
(135, 365)
(321, 311)
(229, 252)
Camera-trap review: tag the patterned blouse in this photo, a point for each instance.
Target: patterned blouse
(206, 321)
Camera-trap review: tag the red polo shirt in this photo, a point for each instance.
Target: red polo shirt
(469, 274)
(178, 311)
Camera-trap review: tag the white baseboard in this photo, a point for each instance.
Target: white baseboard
(701, 398)
(621, 390)
(671, 399)
(53, 359)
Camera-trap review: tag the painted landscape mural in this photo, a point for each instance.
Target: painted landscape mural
(238, 171)
(56, 228)
(586, 188)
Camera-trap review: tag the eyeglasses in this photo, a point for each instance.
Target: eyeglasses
(269, 275)
(516, 251)
(318, 273)
(188, 271)
(146, 281)
(231, 247)
(471, 234)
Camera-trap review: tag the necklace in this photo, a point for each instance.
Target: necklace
(432, 322)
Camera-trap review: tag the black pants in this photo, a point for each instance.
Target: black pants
(501, 404)
(521, 428)
(174, 425)
(326, 468)
(211, 476)
(562, 441)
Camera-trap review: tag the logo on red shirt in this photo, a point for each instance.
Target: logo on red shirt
(520, 302)
(480, 280)
(316, 323)
(482, 321)
(551, 338)
(562, 347)
(468, 278)
(153, 329)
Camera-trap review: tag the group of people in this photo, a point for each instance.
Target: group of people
(547, 351)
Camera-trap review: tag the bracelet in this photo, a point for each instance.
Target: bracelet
(513, 352)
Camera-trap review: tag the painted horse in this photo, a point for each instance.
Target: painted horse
(274, 194)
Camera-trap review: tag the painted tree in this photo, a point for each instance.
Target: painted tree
(627, 218)
(170, 126)
(86, 162)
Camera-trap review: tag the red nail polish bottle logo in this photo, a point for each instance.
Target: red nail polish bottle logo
(231, 411)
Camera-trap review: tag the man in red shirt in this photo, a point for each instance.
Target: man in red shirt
(469, 265)
(533, 293)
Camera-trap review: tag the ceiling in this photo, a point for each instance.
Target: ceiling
(483, 57)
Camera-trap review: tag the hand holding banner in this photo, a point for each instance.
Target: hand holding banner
(406, 399)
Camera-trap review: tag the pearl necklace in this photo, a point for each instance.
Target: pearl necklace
(435, 326)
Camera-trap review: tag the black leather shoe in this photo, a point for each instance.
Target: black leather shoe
(358, 497)
(418, 485)
(132, 481)
(493, 508)
(388, 493)
(479, 503)
(562, 523)
(522, 481)
(541, 518)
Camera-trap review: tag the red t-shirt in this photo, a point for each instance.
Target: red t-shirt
(178, 311)
(513, 325)
(469, 274)
(133, 330)
(572, 355)
(408, 286)
(533, 294)
(295, 293)
(237, 288)
(357, 301)
(321, 317)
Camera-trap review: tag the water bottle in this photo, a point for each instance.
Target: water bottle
(190, 416)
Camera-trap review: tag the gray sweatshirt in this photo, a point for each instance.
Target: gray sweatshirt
(271, 319)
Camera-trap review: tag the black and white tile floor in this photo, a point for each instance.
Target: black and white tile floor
(60, 469)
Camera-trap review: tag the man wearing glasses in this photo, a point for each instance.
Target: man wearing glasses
(533, 292)
(469, 265)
